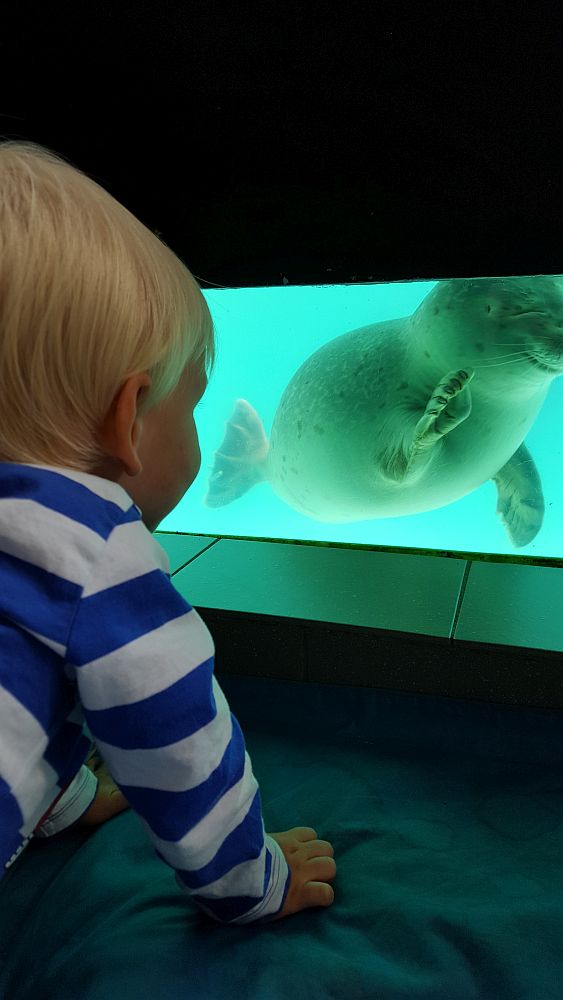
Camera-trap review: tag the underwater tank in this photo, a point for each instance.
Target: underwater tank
(418, 415)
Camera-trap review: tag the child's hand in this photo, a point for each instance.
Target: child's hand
(109, 800)
(312, 866)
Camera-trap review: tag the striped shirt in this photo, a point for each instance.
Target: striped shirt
(95, 641)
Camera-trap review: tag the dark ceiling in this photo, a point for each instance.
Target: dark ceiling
(309, 143)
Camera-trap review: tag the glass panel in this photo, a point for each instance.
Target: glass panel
(397, 414)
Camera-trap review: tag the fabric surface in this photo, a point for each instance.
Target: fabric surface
(447, 822)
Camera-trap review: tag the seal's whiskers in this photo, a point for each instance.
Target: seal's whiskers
(497, 364)
(511, 354)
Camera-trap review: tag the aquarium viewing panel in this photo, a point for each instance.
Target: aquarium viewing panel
(419, 415)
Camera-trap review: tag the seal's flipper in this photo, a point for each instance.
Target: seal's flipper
(240, 459)
(448, 406)
(520, 497)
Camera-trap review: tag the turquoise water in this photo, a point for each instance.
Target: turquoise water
(265, 334)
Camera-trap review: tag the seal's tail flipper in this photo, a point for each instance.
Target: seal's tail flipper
(520, 497)
(239, 462)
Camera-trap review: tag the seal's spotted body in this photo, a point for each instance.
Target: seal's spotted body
(411, 414)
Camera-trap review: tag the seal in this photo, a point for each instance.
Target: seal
(411, 414)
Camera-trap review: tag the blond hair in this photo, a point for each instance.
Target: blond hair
(88, 296)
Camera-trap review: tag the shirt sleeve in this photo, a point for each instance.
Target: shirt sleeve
(143, 662)
(76, 798)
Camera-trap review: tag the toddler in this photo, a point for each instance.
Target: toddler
(107, 693)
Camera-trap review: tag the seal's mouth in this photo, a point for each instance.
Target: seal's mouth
(529, 312)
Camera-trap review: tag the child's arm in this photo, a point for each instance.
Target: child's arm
(143, 663)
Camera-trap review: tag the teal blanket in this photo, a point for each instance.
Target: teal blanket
(447, 824)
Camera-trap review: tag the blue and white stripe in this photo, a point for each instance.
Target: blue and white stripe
(93, 631)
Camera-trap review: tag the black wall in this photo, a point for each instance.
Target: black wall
(313, 142)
